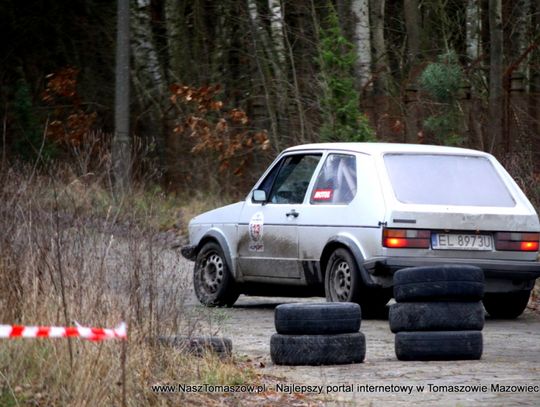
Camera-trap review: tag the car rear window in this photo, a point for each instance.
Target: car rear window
(446, 180)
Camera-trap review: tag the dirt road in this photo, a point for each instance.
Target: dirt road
(511, 358)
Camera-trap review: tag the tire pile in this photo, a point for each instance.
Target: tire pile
(438, 313)
(318, 334)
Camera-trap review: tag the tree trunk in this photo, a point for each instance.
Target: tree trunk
(518, 36)
(534, 95)
(360, 10)
(495, 77)
(516, 74)
(148, 71)
(380, 63)
(299, 31)
(263, 67)
(344, 16)
(412, 25)
(149, 80)
(174, 22)
(473, 39)
(121, 145)
(473, 24)
(276, 29)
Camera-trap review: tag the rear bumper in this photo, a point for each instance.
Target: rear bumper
(505, 269)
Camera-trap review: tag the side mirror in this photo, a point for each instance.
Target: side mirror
(259, 196)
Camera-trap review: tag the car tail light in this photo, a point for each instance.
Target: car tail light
(523, 242)
(406, 238)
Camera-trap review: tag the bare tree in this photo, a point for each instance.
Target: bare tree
(473, 24)
(518, 36)
(378, 45)
(121, 145)
(495, 75)
(412, 24)
(360, 10)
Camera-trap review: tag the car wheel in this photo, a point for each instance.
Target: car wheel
(316, 350)
(441, 345)
(440, 283)
(341, 281)
(214, 285)
(317, 318)
(506, 305)
(436, 316)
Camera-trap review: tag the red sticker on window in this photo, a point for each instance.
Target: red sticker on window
(322, 195)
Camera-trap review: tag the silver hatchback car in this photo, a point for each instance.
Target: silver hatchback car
(339, 219)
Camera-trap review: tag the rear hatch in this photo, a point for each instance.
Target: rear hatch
(456, 205)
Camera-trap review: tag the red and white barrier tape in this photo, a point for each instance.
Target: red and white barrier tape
(91, 334)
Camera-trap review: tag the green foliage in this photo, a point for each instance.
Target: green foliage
(442, 81)
(446, 128)
(342, 118)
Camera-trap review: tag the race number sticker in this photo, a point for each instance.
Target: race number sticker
(322, 195)
(256, 231)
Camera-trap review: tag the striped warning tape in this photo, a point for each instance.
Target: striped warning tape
(91, 334)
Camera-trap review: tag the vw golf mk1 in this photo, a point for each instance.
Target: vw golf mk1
(338, 219)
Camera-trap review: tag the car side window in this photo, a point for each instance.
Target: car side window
(336, 183)
(288, 182)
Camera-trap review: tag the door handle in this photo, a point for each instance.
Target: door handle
(292, 213)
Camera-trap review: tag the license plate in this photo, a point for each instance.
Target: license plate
(444, 241)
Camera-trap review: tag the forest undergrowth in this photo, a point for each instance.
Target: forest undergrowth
(70, 253)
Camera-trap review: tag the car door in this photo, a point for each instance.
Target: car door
(341, 204)
(268, 231)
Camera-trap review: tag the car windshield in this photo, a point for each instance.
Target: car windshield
(446, 180)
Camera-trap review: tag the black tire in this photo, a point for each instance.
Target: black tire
(373, 302)
(436, 316)
(214, 285)
(317, 350)
(317, 318)
(441, 345)
(199, 345)
(440, 283)
(506, 305)
(342, 278)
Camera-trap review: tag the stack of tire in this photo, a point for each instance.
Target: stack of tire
(438, 313)
(317, 334)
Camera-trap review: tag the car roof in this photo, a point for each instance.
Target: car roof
(382, 148)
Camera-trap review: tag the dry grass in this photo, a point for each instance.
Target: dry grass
(68, 253)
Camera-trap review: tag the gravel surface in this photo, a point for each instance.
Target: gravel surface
(511, 357)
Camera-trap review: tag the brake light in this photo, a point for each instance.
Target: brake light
(406, 238)
(523, 242)
(529, 246)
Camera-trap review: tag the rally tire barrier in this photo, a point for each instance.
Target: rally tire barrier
(318, 334)
(439, 345)
(438, 313)
(317, 350)
(436, 316)
(439, 283)
(326, 318)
